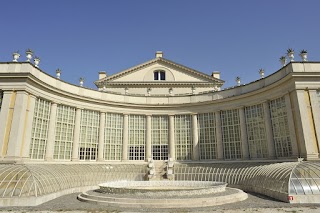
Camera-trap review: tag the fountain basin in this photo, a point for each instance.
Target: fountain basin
(162, 188)
(162, 194)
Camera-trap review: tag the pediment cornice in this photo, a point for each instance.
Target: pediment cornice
(161, 61)
(127, 71)
(161, 84)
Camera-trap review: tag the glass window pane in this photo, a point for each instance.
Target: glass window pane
(162, 75)
(156, 75)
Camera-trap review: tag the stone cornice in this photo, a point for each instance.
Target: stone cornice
(125, 72)
(161, 84)
(42, 85)
(191, 70)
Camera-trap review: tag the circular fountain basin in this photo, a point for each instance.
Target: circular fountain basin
(162, 194)
(162, 188)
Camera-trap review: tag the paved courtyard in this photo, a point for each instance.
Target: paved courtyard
(254, 203)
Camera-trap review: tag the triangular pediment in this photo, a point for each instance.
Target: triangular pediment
(175, 73)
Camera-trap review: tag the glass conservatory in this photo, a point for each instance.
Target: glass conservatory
(292, 182)
(37, 183)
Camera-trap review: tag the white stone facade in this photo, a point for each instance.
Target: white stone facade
(45, 119)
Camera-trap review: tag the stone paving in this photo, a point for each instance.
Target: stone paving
(254, 203)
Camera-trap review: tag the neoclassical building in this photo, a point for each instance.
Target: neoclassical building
(156, 110)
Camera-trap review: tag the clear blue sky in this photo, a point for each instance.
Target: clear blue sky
(234, 37)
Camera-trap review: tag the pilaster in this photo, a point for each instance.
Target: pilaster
(269, 135)
(101, 136)
(148, 138)
(195, 155)
(172, 151)
(51, 132)
(244, 138)
(293, 138)
(76, 136)
(219, 151)
(315, 105)
(8, 101)
(25, 148)
(305, 122)
(16, 127)
(125, 137)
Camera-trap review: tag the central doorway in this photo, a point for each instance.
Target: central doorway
(160, 152)
(159, 137)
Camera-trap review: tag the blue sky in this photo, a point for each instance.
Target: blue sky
(85, 37)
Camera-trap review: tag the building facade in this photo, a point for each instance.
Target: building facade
(45, 118)
(159, 110)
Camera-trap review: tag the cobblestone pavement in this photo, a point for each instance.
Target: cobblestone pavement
(254, 203)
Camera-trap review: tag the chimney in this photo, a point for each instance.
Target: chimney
(159, 54)
(102, 74)
(216, 74)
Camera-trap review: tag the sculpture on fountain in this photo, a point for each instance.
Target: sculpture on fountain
(170, 164)
(151, 169)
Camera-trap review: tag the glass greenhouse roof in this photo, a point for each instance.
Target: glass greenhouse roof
(305, 179)
(41, 179)
(277, 180)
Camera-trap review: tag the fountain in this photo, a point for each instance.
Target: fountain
(162, 194)
(162, 191)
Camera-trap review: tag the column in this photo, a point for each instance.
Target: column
(125, 137)
(171, 138)
(51, 131)
(244, 138)
(25, 148)
(101, 136)
(294, 145)
(219, 152)
(76, 136)
(195, 155)
(148, 138)
(269, 134)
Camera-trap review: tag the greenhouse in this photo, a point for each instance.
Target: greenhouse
(37, 183)
(294, 182)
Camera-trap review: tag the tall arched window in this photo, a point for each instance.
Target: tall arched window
(159, 75)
